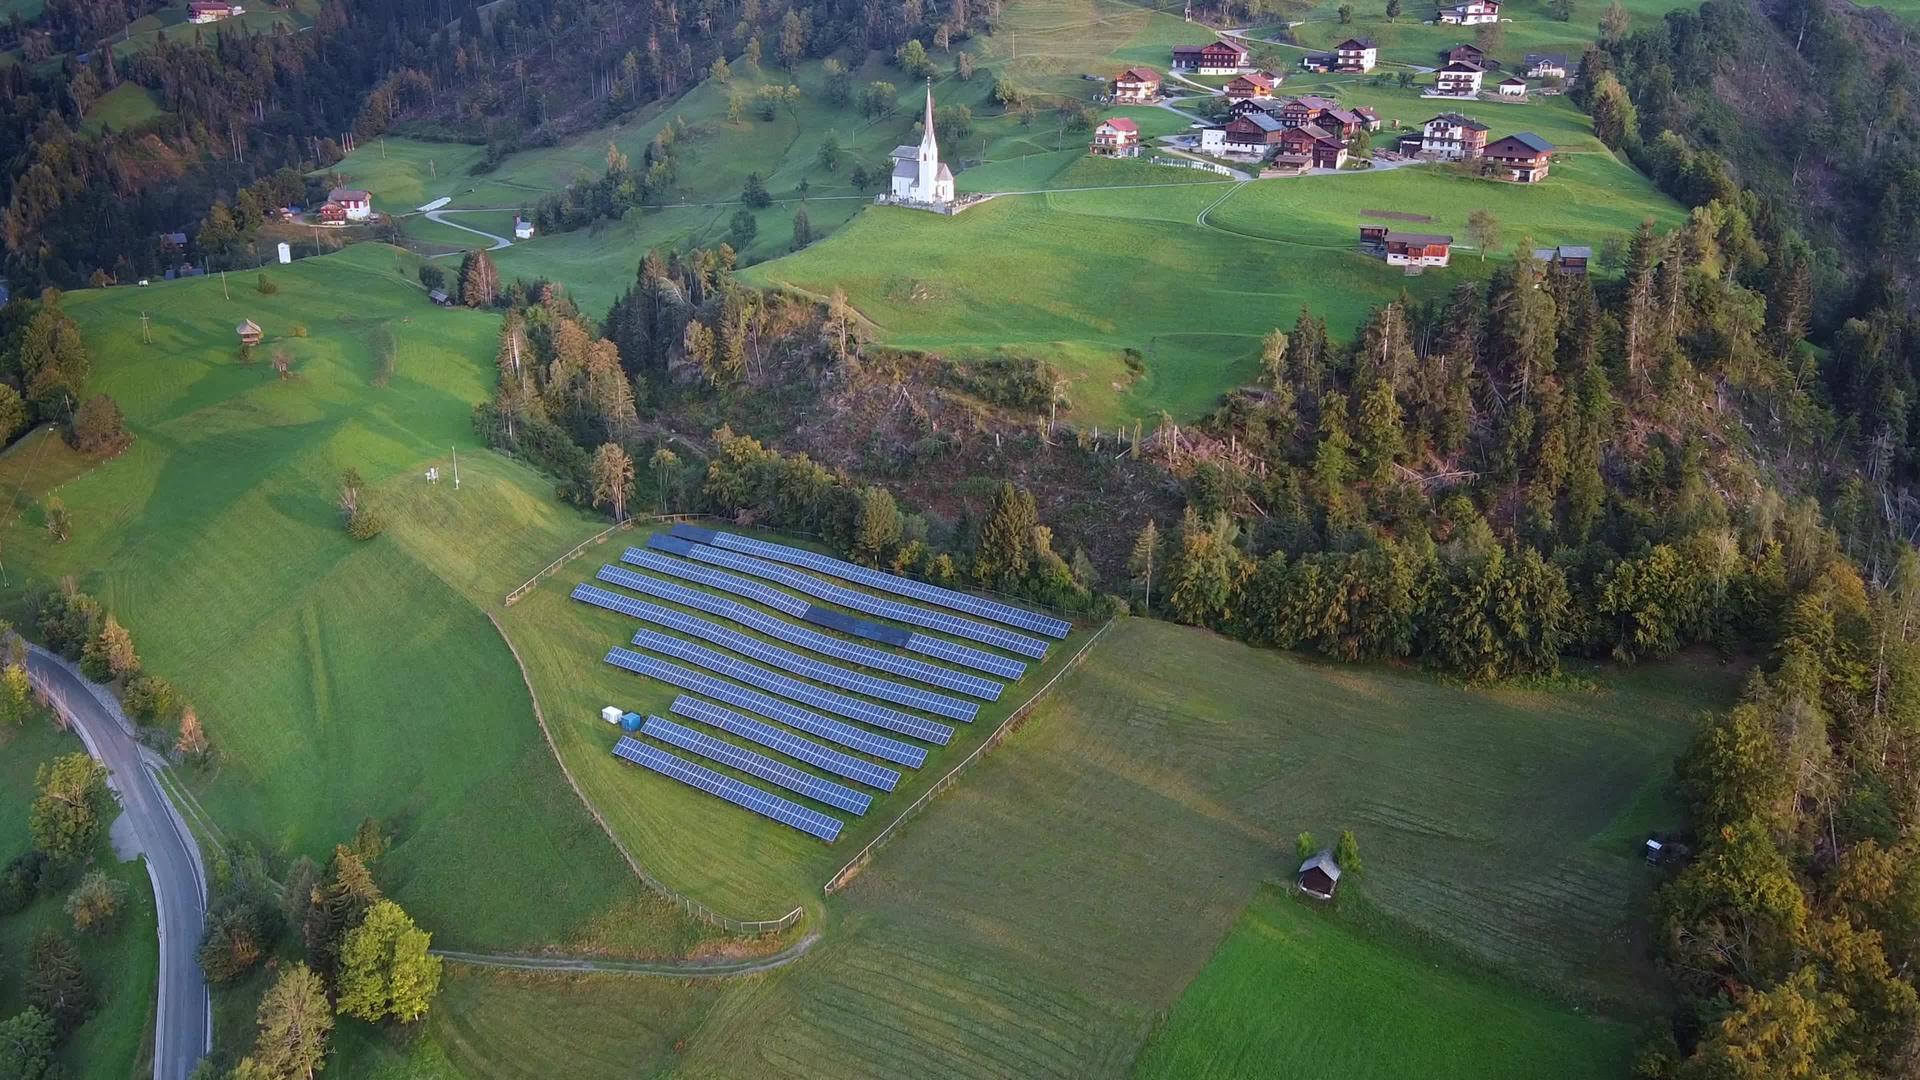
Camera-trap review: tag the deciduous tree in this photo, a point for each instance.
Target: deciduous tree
(70, 812)
(385, 969)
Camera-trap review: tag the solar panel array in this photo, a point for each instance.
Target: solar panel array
(754, 648)
(795, 747)
(785, 811)
(714, 579)
(759, 765)
(825, 645)
(772, 681)
(819, 588)
(772, 708)
(955, 653)
(900, 586)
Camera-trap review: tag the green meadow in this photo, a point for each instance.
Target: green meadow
(123, 108)
(122, 963)
(1525, 26)
(336, 679)
(1047, 915)
(1303, 991)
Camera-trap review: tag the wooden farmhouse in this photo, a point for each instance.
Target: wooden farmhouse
(1465, 54)
(1116, 137)
(331, 214)
(249, 332)
(1417, 250)
(1471, 13)
(1253, 134)
(1522, 158)
(1319, 876)
(1458, 79)
(1215, 58)
(1310, 147)
(1136, 84)
(358, 204)
(1565, 259)
(207, 11)
(1258, 85)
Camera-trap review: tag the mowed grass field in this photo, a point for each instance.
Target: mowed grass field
(1302, 991)
(337, 680)
(735, 862)
(122, 963)
(1525, 26)
(1191, 275)
(1050, 910)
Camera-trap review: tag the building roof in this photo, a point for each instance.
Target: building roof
(1555, 59)
(173, 237)
(906, 170)
(1466, 47)
(1575, 251)
(1139, 74)
(1316, 102)
(438, 296)
(1324, 863)
(1468, 123)
(907, 153)
(945, 173)
(1529, 140)
(1513, 80)
(1121, 123)
(1461, 67)
(1344, 116)
(1354, 44)
(1262, 120)
(343, 194)
(1417, 238)
(247, 326)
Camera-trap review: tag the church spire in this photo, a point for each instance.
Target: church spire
(929, 147)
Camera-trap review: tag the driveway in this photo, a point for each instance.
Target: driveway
(183, 1032)
(440, 216)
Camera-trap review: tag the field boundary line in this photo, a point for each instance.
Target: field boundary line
(547, 571)
(859, 862)
(605, 966)
(691, 906)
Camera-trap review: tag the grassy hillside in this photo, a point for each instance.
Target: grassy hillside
(1044, 913)
(1300, 991)
(1192, 275)
(123, 963)
(336, 679)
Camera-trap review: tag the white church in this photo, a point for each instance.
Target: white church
(918, 176)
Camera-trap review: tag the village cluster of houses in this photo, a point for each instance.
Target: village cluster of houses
(1416, 251)
(1466, 68)
(209, 11)
(1524, 158)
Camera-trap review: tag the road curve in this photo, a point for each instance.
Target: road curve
(183, 1032)
(439, 217)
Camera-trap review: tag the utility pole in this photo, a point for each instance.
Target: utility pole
(456, 468)
(223, 285)
(146, 337)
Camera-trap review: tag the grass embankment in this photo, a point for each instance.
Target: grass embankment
(337, 679)
(1299, 991)
(720, 855)
(122, 963)
(1044, 914)
(123, 108)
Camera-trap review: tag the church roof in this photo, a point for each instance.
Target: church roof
(907, 152)
(906, 170)
(945, 173)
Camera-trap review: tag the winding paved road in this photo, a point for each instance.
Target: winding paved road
(439, 217)
(183, 1032)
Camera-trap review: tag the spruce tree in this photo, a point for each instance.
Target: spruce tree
(1004, 553)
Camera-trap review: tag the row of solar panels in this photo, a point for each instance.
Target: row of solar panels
(951, 599)
(785, 811)
(756, 649)
(926, 645)
(854, 599)
(811, 640)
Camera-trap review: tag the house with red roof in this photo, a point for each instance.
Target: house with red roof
(1136, 84)
(1258, 85)
(1116, 137)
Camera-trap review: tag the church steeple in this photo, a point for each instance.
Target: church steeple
(929, 149)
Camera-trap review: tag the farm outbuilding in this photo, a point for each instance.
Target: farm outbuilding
(249, 332)
(1319, 876)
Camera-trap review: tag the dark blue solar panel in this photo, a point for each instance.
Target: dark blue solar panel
(757, 765)
(786, 742)
(792, 634)
(772, 708)
(936, 595)
(785, 811)
(787, 603)
(820, 588)
(772, 681)
(785, 660)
